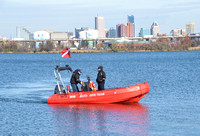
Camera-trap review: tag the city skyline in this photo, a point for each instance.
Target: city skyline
(63, 15)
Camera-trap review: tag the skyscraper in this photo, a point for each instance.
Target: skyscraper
(125, 30)
(99, 26)
(155, 29)
(112, 33)
(23, 33)
(131, 20)
(129, 29)
(190, 28)
(121, 30)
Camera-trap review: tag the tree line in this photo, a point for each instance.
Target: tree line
(29, 47)
(161, 44)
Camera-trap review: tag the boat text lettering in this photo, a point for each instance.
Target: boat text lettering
(72, 96)
(100, 94)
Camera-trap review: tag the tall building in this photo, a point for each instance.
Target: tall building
(99, 26)
(190, 28)
(131, 20)
(112, 33)
(178, 32)
(23, 33)
(121, 30)
(144, 32)
(129, 29)
(125, 30)
(155, 29)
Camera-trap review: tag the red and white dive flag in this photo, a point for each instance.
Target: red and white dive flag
(66, 53)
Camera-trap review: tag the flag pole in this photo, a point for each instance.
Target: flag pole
(66, 53)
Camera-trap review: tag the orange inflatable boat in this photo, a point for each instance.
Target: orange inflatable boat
(117, 95)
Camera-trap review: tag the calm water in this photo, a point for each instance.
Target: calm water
(171, 108)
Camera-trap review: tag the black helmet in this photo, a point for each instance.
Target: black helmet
(78, 70)
(100, 67)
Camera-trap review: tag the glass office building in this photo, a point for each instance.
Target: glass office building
(131, 19)
(144, 32)
(112, 33)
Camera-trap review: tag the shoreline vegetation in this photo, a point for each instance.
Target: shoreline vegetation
(161, 44)
(103, 51)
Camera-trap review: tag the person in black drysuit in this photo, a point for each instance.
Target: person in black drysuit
(75, 80)
(101, 77)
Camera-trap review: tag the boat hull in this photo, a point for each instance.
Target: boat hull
(118, 95)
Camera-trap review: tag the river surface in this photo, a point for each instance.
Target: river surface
(172, 107)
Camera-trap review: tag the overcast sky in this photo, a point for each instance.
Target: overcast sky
(65, 15)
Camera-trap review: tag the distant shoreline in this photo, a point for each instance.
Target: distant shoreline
(104, 51)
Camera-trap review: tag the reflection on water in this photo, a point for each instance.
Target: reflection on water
(101, 119)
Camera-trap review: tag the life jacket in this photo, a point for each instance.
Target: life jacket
(92, 86)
